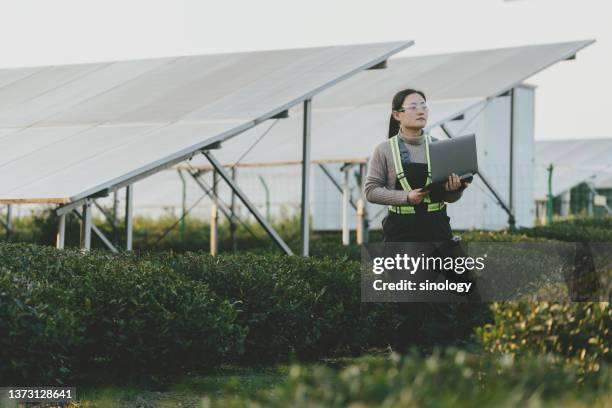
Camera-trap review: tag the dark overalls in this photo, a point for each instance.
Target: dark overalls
(423, 225)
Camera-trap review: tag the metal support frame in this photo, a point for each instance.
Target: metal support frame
(107, 215)
(8, 226)
(3, 223)
(487, 183)
(362, 211)
(129, 222)
(222, 207)
(85, 238)
(115, 218)
(305, 213)
(183, 203)
(346, 232)
(96, 230)
(336, 183)
(590, 200)
(594, 192)
(228, 179)
(511, 220)
(214, 215)
(60, 239)
(232, 218)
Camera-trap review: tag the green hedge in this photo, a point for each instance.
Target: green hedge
(290, 305)
(576, 229)
(312, 307)
(165, 311)
(449, 378)
(579, 333)
(66, 313)
(63, 314)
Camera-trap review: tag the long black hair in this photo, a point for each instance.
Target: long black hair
(396, 104)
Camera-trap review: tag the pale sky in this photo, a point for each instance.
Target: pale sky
(571, 99)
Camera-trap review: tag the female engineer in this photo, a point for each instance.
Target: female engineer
(400, 168)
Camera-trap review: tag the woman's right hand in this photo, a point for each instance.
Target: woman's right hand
(416, 196)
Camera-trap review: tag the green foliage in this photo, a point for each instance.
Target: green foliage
(579, 333)
(498, 236)
(289, 304)
(575, 229)
(166, 311)
(63, 313)
(312, 307)
(449, 378)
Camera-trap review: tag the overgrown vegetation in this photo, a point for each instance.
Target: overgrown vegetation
(447, 378)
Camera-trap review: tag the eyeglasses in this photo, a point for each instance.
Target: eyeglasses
(413, 107)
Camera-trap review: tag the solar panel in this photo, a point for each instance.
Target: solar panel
(574, 162)
(352, 117)
(67, 132)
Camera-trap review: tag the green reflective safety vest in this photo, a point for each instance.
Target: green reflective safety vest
(399, 171)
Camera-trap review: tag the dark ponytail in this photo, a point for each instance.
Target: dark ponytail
(396, 104)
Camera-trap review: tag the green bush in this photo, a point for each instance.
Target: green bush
(150, 312)
(449, 378)
(579, 333)
(64, 313)
(573, 230)
(291, 305)
(312, 307)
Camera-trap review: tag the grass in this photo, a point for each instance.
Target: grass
(191, 390)
(194, 390)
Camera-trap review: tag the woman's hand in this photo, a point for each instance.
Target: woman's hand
(416, 196)
(453, 183)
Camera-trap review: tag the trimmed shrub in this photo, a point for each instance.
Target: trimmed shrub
(579, 333)
(574, 230)
(291, 305)
(65, 313)
(148, 312)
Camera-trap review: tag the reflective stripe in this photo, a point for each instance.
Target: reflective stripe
(397, 163)
(409, 209)
(399, 172)
(402, 209)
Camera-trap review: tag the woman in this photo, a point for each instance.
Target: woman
(398, 171)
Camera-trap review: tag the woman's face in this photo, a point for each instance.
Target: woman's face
(415, 112)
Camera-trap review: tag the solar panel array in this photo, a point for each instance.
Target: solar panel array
(67, 132)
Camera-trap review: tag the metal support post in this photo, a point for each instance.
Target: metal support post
(60, 239)
(305, 215)
(9, 225)
(85, 243)
(232, 218)
(129, 222)
(362, 214)
(346, 232)
(214, 216)
(511, 220)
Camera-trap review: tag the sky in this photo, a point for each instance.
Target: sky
(572, 99)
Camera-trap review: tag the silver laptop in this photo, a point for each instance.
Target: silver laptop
(456, 155)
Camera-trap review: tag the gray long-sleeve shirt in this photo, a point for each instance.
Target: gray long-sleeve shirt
(380, 182)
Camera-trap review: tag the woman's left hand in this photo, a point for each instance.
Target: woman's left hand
(453, 183)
